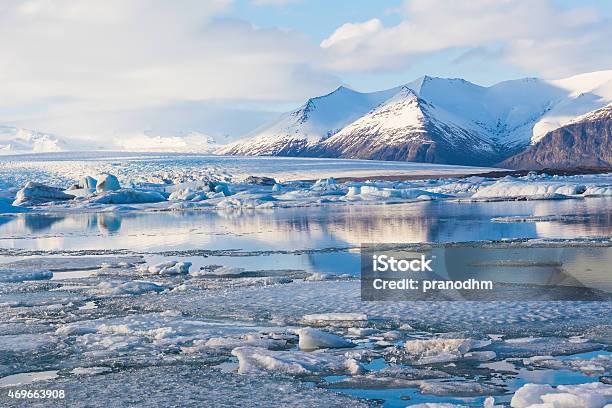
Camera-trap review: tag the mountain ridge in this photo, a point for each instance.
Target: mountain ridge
(503, 119)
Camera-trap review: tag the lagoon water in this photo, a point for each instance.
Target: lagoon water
(312, 239)
(315, 239)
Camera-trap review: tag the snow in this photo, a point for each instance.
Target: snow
(402, 118)
(313, 339)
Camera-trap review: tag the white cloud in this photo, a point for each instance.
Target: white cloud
(352, 33)
(531, 34)
(64, 60)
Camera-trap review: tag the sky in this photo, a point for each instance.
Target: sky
(121, 69)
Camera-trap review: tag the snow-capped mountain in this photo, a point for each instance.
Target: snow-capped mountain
(585, 141)
(294, 132)
(446, 120)
(17, 140)
(408, 128)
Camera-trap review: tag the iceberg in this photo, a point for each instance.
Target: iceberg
(36, 193)
(107, 182)
(128, 196)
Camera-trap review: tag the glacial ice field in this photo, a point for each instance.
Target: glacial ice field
(183, 281)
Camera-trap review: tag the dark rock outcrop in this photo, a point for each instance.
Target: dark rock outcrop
(585, 142)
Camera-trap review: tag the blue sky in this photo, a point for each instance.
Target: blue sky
(115, 69)
(318, 18)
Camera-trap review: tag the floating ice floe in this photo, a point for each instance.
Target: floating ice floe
(128, 196)
(84, 371)
(313, 339)
(21, 275)
(125, 288)
(589, 395)
(441, 350)
(527, 188)
(597, 365)
(253, 360)
(459, 388)
(270, 342)
(36, 193)
(167, 268)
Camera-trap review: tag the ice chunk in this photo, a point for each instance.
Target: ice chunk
(313, 339)
(459, 388)
(260, 180)
(441, 350)
(107, 182)
(589, 395)
(319, 276)
(229, 343)
(228, 271)
(535, 189)
(21, 275)
(326, 184)
(598, 191)
(187, 194)
(83, 371)
(36, 193)
(88, 183)
(567, 400)
(255, 360)
(128, 196)
(529, 394)
(167, 268)
(125, 288)
(480, 355)
(362, 332)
